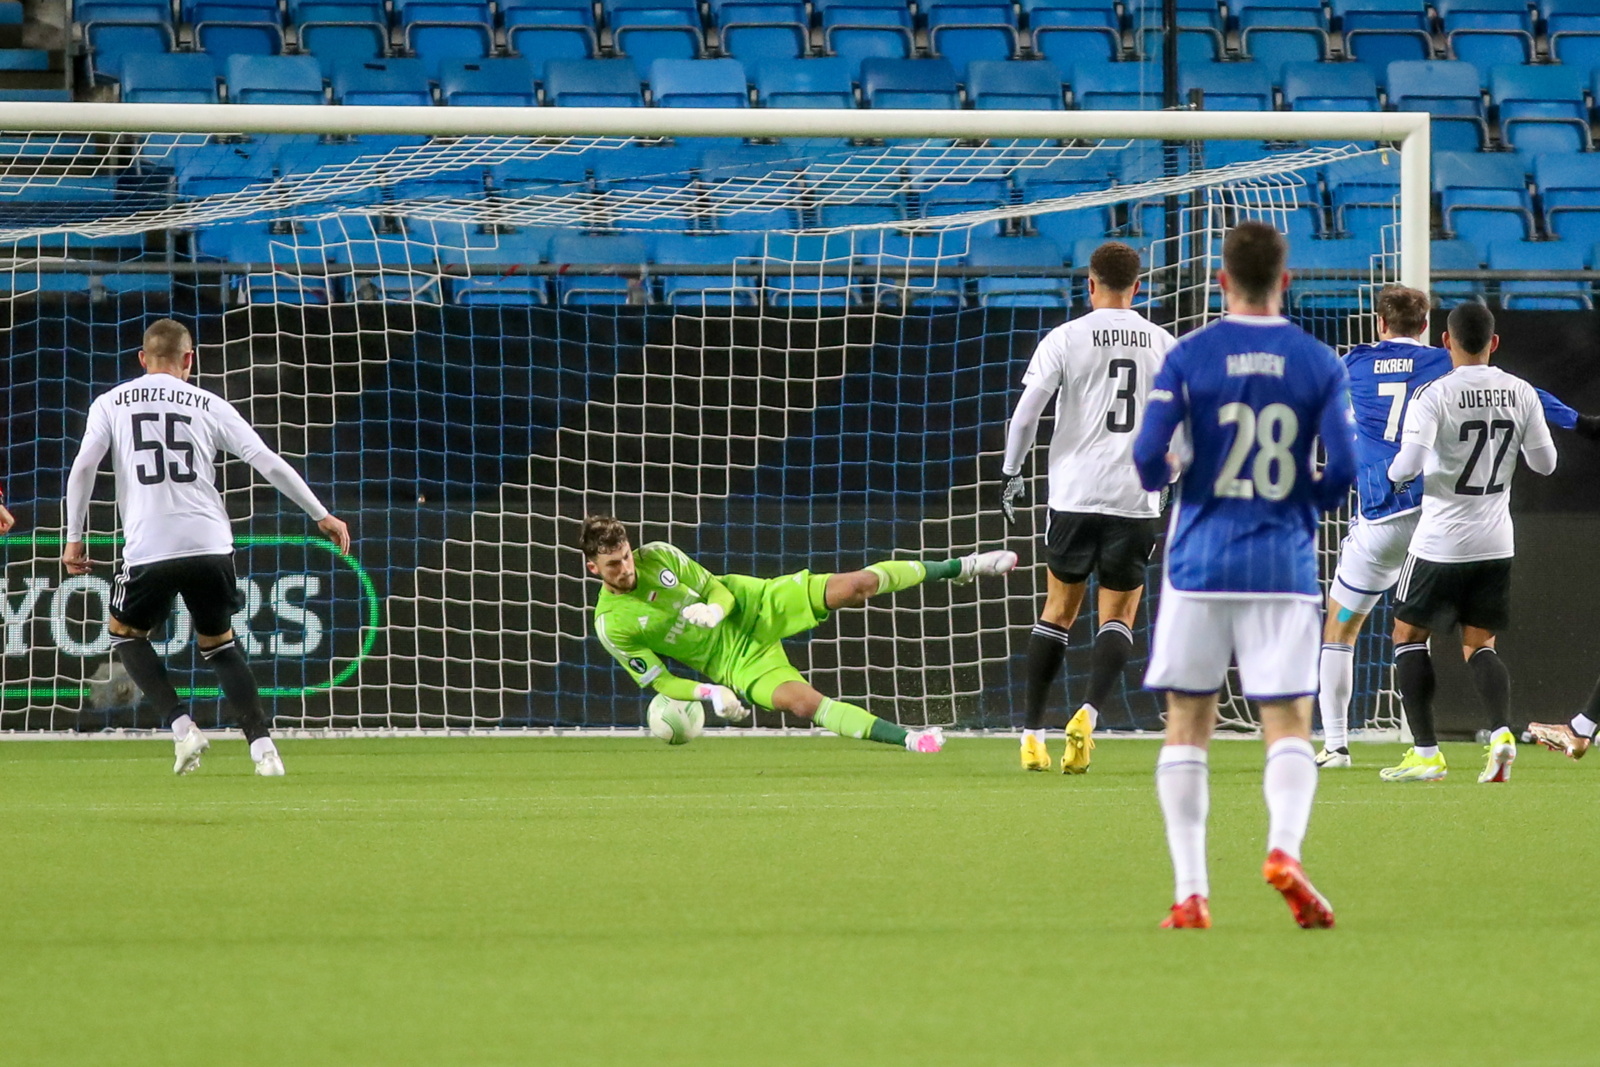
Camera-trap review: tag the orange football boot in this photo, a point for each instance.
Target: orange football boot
(1192, 914)
(1309, 907)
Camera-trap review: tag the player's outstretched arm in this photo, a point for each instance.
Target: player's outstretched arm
(1163, 414)
(1559, 414)
(1538, 447)
(1019, 441)
(80, 487)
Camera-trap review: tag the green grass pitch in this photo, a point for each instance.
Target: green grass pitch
(772, 901)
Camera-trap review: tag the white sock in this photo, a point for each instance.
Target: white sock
(260, 747)
(1094, 716)
(181, 727)
(1583, 726)
(1037, 735)
(1183, 784)
(1427, 751)
(1338, 672)
(1290, 784)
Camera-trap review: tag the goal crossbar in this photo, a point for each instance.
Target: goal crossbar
(1408, 129)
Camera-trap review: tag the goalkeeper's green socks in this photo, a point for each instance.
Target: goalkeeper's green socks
(847, 720)
(897, 574)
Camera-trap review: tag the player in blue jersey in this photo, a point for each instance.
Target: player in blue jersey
(1383, 379)
(1253, 393)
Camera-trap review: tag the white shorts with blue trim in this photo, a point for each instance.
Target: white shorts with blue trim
(1276, 640)
(1370, 560)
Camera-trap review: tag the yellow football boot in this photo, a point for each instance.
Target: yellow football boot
(1035, 757)
(1080, 743)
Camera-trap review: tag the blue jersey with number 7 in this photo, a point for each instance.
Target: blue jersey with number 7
(1253, 393)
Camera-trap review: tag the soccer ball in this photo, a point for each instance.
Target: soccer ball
(677, 722)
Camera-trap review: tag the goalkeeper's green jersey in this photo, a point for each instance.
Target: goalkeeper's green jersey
(641, 626)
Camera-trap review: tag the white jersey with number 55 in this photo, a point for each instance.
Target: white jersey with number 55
(1474, 422)
(1102, 364)
(164, 435)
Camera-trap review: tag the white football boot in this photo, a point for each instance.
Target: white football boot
(998, 561)
(187, 752)
(270, 765)
(926, 741)
(1333, 757)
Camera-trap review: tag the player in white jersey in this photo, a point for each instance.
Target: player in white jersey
(1462, 435)
(164, 435)
(1101, 521)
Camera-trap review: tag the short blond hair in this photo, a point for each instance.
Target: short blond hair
(167, 341)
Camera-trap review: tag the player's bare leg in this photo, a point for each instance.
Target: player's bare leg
(1414, 677)
(1047, 649)
(1493, 683)
(222, 655)
(848, 720)
(139, 659)
(1183, 785)
(1290, 785)
(1336, 671)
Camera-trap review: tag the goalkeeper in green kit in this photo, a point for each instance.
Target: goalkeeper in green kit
(659, 602)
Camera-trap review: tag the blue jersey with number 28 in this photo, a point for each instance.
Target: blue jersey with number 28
(1253, 394)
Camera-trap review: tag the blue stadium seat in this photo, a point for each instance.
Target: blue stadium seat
(909, 83)
(506, 81)
(1573, 28)
(302, 11)
(645, 35)
(1363, 192)
(520, 177)
(1011, 253)
(839, 216)
(494, 280)
(1228, 86)
(1065, 35)
(889, 252)
(1329, 87)
(1449, 91)
(252, 244)
(109, 41)
(1200, 36)
(339, 42)
(1487, 33)
(381, 81)
(1569, 185)
(171, 78)
(759, 221)
(698, 83)
(796, 281)
(1456, 254)
(592, 83)
(1275, 36)
(1482, 197)
(208, 169)
(1067, 228)
(707, 249)
(409, 11)
(1380, 32)
(86, 11)
(1311, 292)
(1541, 255)
(435, 42)
(1014, 84)
(982, 195)
(407, 270)
(968, 33)
(755, 33)
(582, 249)
(532, 33)
(855, 30)
(274, 80)
(223, 39)
(824, 82)
(1541, 108)
(1100, 86)
(558, 12)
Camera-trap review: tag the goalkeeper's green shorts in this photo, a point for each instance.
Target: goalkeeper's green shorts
(766, 611)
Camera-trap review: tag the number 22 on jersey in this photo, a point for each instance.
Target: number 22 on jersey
(1270, 436)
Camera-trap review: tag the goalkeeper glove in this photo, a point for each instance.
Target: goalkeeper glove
(705, 616)
(724, 702)
(1012, 489)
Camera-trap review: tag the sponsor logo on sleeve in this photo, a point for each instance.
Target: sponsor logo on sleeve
(668, 579)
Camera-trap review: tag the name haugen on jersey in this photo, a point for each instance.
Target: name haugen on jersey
(1391, 366)
(1268, 363)
(1487, 398)
(1119, 338)
(160, 395)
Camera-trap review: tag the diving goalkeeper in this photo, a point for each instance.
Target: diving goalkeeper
(659, 602)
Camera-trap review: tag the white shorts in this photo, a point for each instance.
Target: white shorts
(1370, 560)
(1276, 640)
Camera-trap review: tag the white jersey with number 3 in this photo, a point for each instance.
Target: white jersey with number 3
(1474, 421)
(1103, 364)
(164, 435)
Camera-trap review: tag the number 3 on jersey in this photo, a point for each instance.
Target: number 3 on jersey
(1271, 435)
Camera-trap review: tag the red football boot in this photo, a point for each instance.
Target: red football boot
(1192, 914)
(1309, 907)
